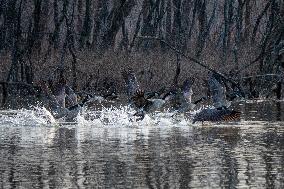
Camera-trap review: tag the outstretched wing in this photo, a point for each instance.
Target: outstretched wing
(48, 98)
(215, 115)
(139, 99)
(217, 91)
(187, 89)
(131, 81)
(71, 97)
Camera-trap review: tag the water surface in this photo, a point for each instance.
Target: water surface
(111, 152)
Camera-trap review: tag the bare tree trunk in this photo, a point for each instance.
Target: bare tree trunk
(10, 15)
(17, 52)
(176, 29)
(58, 20)
(195, 10)
(168, 34)
(226, 31)
(125, 41)
(267, 38)
(4, 94)
(100, 16)
(71, 44)
(204, 28)
(230, 22)
(137, 28)
(175, 81)
(177, 18)
(186, 11)
(116, 18)
(253, 36)
(247, 20)
(87, 27)
(35, 38)
(150, 21)
(238, 32)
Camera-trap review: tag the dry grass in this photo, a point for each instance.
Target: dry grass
(154, 69)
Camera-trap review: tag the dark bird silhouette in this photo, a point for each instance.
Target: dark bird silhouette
(131, 82)
(180, 99)
(58, 90)
(215, 115)
(220, 110)
(54, 97)
(137, 98)
(145, 105)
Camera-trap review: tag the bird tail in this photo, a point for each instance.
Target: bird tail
(233, 115)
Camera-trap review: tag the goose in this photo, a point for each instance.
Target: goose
(91, 96)
(145, 105)
(55, 100)
(71, 97)
(64, 94)
(137, 97)
(180, 99)
(131, 82)
(105, 93)
(220, 110)
(97, 99)
(58, 90)
(51, 102)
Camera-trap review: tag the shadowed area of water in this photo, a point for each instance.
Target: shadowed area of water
(111, 152)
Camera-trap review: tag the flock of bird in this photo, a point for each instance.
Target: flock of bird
(62, 101)
(178, 99)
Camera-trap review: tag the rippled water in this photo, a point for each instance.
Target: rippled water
(108, 151)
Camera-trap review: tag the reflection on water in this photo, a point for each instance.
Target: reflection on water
(263, 111)
(245, 154)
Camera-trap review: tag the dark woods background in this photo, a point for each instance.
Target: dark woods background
(92, 40)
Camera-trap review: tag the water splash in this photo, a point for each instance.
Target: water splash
(121, 116)
(114, 116)
(35, 116)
